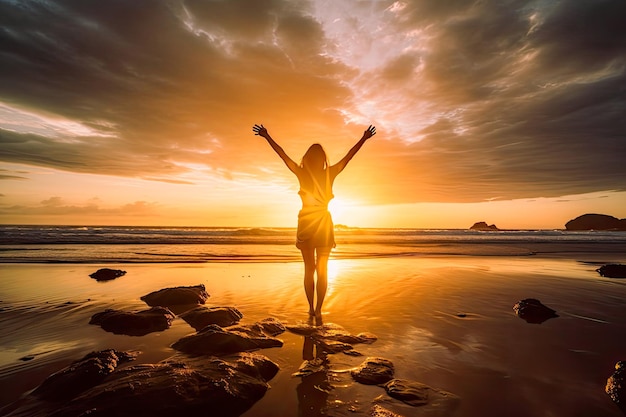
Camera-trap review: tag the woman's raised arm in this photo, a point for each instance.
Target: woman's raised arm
(339, 166)
(259, 130)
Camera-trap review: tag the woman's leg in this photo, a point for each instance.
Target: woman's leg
(308, 256)
(321, 266)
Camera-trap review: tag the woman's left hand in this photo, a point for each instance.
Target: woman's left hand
(259, 130)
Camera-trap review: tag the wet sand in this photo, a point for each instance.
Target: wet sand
(444, 321)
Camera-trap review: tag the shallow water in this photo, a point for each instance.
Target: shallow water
(495, 362)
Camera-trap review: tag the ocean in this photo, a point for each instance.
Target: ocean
(130, 244)
(440, 303)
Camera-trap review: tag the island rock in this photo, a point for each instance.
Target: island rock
(483, 226)
(531, 310)
(200, 317)
(612, 271)
(107, 274)
(177, 386)
(168, 297)
(214, 340)
(140, 323)
(594, 221)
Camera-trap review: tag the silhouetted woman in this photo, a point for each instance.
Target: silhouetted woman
(315, 236)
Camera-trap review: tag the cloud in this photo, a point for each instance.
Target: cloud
(56, 206)
(472, 100)
(6, 174)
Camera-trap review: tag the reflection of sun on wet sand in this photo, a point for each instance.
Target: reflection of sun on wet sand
(445, 322)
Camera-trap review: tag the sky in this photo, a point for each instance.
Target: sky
(141, 112)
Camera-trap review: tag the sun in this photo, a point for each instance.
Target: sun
(343, 210)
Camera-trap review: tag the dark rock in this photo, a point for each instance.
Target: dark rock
(27, 358)
(200, 317)
(483, 226)
(332, 338)
(531, 310)
(596, 222)
(373, 371)
(616, 385)
(417, 394)
(302, 329)
(81, 375)
(168, 297)
(214, 340)
(140, 323)
(178, 386)
(272, 326)
(107, 274)
(331, 346)
(612, 271)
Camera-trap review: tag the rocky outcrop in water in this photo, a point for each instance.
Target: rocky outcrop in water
(215, 340)
(616, 385)
(200, 317)
(107, 274)
(483, 226)
(332, 338)
(176, 296)
(82, 374)
(596, 222)
(417, 394)
(612, 271)
(140, 323)
(378, 411)
(182, 386)
(531, 310)
(373, 371)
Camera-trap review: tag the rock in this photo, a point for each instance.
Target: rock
(417, 394)
(214, 340)
(107, 274)
(594, 221)
(272, 326)
(302, 329)
(483, 226)
(200, 317)
(331, 346)
(616, 385)
(168, 297)
(373, 371)
(378, 411)
(140, 323)
(310, 367)
(81, 375)
(178, 386)
(531, 310)
(612, 271)
(332, 338)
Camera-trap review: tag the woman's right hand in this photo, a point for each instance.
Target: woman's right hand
(369, 132)
(259, 130)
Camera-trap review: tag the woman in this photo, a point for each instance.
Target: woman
(315, 236)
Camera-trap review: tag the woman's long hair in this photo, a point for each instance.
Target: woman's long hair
(315, 158)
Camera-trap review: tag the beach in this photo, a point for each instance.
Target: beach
(445, 321)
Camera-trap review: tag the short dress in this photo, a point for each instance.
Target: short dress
(315, 224)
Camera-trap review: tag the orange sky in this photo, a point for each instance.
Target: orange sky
(141, 114)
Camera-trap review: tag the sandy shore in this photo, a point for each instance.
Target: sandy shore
(444, 321)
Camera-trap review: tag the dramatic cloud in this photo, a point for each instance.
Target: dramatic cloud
(472, 100)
